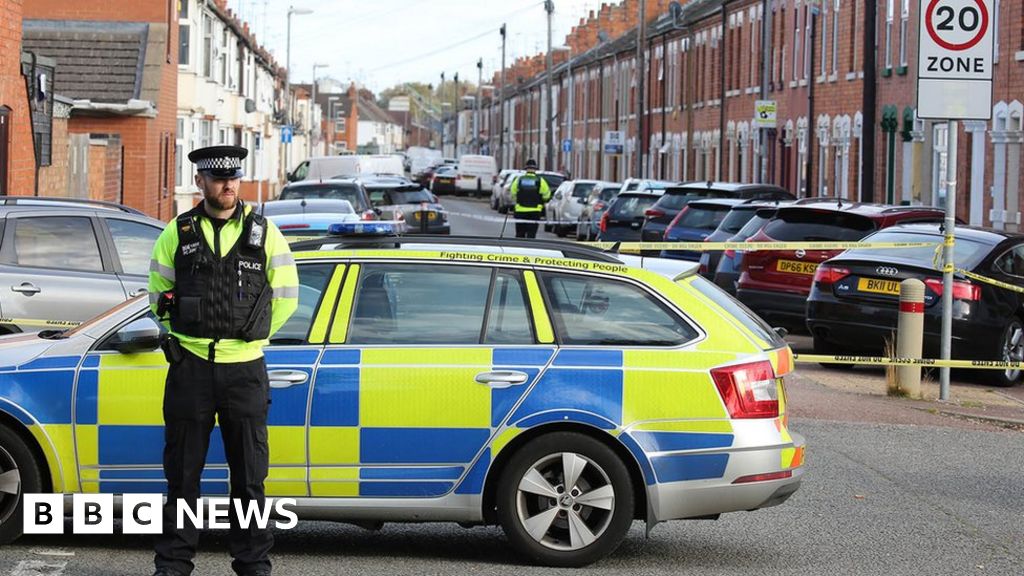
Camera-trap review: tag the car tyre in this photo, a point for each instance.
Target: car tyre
(560, 526)
(1010, 349)
(19, 475)
(821, 347)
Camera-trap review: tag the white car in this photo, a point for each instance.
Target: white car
(563, 210)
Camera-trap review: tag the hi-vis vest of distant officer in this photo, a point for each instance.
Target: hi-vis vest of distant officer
(530, 192)
(218, 297)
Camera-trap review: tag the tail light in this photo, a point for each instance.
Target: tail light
(674, 220)
(599, 205)
(703, 268)
(961, 290)
(748, 390)
(653, 213)
(730, 254)
(604, 222)
(764, 477)
(369, 215)
(830, 274)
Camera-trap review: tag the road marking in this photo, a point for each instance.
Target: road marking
(51, 552)
(39, 568)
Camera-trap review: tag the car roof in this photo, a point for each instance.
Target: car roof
(325, 183)
(862, 208)
(726, 186)
(12, 203)
(645, 192)
(716, 202)
(324, 219)
(975, 233)
(308, 205)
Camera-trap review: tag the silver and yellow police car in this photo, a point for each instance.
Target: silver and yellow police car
(555, 390)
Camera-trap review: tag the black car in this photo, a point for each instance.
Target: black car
(622, 220)
(730, 231)
(726, 273)
(332, 190)
(419, 209)
(675, 198)
(443, 180)
(854, 301)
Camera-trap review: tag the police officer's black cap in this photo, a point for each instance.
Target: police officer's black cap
(219, 161)
(531, 163)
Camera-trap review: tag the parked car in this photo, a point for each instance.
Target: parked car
(347, 189)
(326, 168)
(566, 205)
(418, 209)
(854, 300)
(589, 222)
(63, 261)
(644, 185)
(554, 180)
(303, 219)
(503, 179)
(622, 220)
(476, 174)
(435, 383)
(775, 283)
(658, 217)
(443, 180)
(381, 165)
(695, 223)
(724, 267)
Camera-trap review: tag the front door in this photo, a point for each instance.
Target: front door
(434, 357)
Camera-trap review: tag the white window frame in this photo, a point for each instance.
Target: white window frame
(824, 39)
(904, 31)
(796, 42)
(890, 8)
(208, 69)
(835, 39)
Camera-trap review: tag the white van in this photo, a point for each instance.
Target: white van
(381, 164)
(476, 173)
(326, 168)
(421, 158)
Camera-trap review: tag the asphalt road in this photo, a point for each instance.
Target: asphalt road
(881, 496)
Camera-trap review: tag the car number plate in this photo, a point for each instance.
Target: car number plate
(468, 177)
(794, 267)
(431, 215)
(878, 286)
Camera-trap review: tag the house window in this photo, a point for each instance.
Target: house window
(808, 48)
(754, 42)
(835, 38)
(222, 59)
(853, 36)
(206, 138)
(339, 125)
(183, 44)
(208, 46)
(183, 9)
(179, 144)
(889, 16)
(904, 19)
(796, 44)
(824, 40)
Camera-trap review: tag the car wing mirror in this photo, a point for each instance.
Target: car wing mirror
(142, 335)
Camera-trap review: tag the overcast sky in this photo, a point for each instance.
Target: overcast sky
(383, 42)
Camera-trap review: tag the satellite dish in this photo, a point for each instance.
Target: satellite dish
(250, 105)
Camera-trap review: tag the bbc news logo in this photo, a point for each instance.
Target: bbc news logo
(143, 513)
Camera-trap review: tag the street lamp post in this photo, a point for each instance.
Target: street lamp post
(444, 124)
(567, 162)
(455, 109)
(549, 7)
(288, 74)
(476, 113)
(501, 104)
(332, 114)
(312, 103)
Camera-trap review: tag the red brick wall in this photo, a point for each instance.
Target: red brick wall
(21, 163)
(53, 179)
(141, 137)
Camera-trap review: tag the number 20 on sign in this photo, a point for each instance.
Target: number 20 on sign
(955, 59)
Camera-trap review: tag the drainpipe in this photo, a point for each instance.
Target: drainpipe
(721, 80)
(868, 105)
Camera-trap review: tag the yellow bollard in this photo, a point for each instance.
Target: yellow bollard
(910, 335)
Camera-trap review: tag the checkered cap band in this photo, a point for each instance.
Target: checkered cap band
(222, 163)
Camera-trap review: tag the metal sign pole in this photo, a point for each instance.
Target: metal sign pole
(948, 265)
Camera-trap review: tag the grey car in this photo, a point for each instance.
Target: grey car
(63, 261)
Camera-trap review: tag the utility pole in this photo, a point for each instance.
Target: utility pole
(456, 109)
(501, 104)
(476, 115)
(812, 124)
(312, 103)
(641, 79)
(868, 104)
(766, 59)
(440, 92)
(547, 121)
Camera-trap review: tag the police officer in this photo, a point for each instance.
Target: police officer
(224, 278)
(529, 193)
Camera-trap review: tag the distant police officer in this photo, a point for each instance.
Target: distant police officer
(225, 279)
(529, 193)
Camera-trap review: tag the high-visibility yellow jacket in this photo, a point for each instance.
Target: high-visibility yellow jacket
(545, 193)
(281, 274)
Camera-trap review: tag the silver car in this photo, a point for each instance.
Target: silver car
(67, 260)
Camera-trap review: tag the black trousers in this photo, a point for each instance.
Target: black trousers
(239, 396)
(527, 229)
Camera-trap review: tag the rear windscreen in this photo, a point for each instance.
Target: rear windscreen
(632, 206)
(734, 307)
(818, 225)
(966, 253)
(754, 224)
(677, 199)
(735, 220)
(581, 190)
(702, 217)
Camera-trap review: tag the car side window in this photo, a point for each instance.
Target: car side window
(1011, 262)
(134, 242)
(588, 310)
(43, 242)
(408, 304)
(508, 317)
(302, 170)
(312, 282)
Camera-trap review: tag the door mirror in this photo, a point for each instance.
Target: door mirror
(142, 335)
(583, 200)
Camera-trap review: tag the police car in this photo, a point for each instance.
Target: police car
(556, 390)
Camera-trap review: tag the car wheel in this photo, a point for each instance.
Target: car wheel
(561, 231)
(1011, 349)
(565, 500)
(823, 348)
(19, 474)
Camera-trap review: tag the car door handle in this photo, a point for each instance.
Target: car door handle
(286, 378)
(502, 378)
(137, 292)
(26, 288)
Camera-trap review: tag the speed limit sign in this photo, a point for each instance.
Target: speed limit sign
(954, 71)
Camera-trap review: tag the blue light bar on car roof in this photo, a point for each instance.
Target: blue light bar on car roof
(371, 228)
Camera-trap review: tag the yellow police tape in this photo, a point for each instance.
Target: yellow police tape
(991, 281)
(38, 322)
(753, 246)
(924, 362)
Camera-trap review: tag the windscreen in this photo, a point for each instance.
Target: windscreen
(677, 199)
(581, 190)
(966, 253)
(702, 217)
(632, 206)
(735, 220)
(818, 225)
